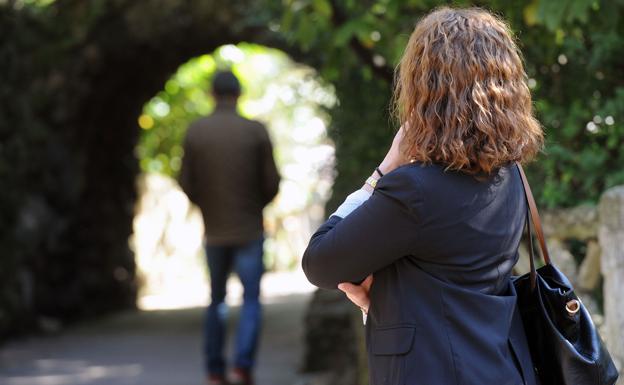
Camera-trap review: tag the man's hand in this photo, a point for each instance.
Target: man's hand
(358, 294)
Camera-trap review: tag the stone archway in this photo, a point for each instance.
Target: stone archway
(103, 61)
(291, 100)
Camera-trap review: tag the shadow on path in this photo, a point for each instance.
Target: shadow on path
(160, 347)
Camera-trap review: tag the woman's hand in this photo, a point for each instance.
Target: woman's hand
(394, 158)
(358, 294)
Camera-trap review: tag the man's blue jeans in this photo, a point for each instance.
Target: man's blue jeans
(246, 259)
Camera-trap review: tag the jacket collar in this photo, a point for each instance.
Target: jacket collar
(226, 105)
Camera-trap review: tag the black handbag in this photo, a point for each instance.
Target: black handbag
(565, 345)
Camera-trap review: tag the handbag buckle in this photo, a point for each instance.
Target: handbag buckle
(572, 307)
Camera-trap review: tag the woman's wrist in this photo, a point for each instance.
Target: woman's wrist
(386, 166)
(374, 177)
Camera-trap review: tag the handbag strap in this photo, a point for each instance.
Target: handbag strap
(537, 223)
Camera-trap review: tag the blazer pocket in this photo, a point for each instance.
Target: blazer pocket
(390, 347)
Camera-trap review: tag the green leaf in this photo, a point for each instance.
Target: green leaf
(344, 34)
(551, 13)
(305, 33)
(579, 10)
(323, 8)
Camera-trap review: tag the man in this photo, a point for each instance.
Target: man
(228, 170)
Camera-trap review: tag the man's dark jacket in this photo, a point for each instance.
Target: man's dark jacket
(441, 246)
(228, 170)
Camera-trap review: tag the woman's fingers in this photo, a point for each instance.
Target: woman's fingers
(359, 299)
(350, 289)
(394, 158)
(366, 284)
(358, 294)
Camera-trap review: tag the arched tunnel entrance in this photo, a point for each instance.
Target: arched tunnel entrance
(290, 99)
(161, 346)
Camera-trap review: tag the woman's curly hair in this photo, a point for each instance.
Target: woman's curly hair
(461, 93)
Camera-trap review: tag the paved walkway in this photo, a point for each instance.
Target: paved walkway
(158, 347)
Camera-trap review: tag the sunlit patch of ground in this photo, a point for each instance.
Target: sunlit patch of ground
(195, 294)
(170, 258)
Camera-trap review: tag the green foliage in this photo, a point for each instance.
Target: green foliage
(56, 256)
(20, 144)
(32, 4)
(276, 91)
(573, 55)
(166, 116)
(575, 58)
(360, 131)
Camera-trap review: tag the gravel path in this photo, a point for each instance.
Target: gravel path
(159, 347)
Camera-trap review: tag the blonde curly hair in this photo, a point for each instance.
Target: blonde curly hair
(461, 93)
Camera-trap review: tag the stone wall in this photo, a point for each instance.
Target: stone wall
(611, 237)
(334, 338)
(587, 244)
(572, 239)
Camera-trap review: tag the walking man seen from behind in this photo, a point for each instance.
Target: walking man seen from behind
(228, 171)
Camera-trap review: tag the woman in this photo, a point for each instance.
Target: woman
(439, 222)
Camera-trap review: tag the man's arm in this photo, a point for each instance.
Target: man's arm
(270, 177)
(186, 179)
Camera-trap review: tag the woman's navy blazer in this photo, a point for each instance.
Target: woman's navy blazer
(441, 245)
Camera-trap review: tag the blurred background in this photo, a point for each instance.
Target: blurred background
(102, 272)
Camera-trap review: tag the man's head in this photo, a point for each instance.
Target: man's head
(225, 85)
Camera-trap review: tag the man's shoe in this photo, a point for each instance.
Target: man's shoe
(240, 376)
(216, 379)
